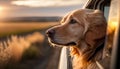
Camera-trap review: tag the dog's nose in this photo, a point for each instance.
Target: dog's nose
(50, 33)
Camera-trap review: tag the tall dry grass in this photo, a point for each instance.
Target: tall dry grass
(15, 46)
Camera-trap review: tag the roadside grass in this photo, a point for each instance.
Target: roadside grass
(16, 49)
(31, 53)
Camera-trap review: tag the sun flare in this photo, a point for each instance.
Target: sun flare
(1, 9)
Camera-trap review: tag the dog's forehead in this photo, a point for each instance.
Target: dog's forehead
(78, 13)
(82, 12)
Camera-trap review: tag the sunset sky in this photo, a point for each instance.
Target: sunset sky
(24, 8)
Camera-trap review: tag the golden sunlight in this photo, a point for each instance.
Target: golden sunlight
(2, 13)
(1, 9)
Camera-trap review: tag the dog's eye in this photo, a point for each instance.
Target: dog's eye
(73, 21)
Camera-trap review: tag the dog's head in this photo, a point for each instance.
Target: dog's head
(85, 24)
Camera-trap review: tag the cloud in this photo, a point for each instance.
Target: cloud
(47, 3)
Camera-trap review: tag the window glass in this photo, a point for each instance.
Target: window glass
(106, 12)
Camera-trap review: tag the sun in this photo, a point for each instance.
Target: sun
(2, 12)
(1, 9)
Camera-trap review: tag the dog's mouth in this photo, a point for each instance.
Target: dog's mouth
(71, 44)
(61, 44)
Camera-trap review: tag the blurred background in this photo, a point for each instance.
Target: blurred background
(23, 43)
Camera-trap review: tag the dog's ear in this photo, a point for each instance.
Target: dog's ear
(97, 28)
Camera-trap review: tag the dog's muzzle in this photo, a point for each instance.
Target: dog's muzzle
(50, 33)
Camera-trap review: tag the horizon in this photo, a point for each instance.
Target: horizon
(32, 19)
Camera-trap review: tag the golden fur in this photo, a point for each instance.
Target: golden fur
(87, 33)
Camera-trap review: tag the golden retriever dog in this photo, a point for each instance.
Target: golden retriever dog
(83, 31)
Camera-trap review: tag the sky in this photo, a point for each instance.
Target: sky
(30, 8)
